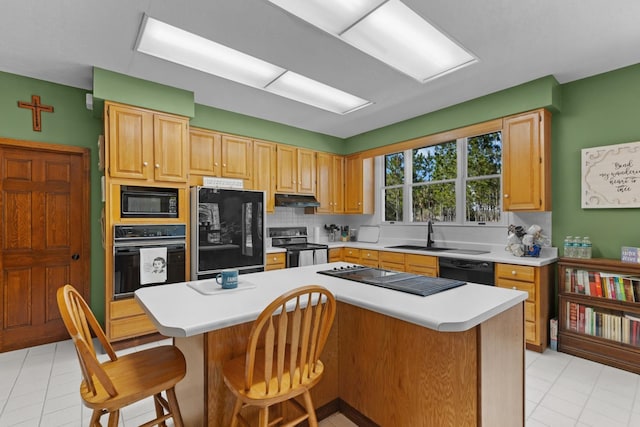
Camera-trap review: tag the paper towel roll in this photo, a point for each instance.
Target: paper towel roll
(316, 234)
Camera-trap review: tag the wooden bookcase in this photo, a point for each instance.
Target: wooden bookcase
(600, 322)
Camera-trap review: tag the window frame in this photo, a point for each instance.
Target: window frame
(460, 182)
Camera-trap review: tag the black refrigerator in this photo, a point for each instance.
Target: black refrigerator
(227, 231)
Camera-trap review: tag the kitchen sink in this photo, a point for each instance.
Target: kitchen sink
(421, 248)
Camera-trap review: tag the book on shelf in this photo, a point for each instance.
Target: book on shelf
(602, 284)
(622, 327)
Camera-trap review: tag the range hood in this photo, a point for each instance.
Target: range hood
(296, 201)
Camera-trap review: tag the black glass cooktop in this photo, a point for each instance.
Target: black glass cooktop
(404, 282)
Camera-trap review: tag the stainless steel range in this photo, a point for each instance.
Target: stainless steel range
(299, 251)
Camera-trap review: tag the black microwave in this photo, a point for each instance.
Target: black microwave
(148, 202)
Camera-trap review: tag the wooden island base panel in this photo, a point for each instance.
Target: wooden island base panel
(383, 371)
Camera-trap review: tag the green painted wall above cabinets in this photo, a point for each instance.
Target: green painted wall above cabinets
(540, 93)
(252, 127)
(110, 86)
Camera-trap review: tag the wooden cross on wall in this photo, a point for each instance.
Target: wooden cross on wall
(36, 109)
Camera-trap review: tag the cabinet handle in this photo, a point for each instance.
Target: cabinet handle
(157, 165)
(215, 163)
(275, 258)
(224, 165)
(506, 196)
(144, 163)
(513, 272)
(514, 288)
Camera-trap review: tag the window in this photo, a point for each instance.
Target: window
(455, 181)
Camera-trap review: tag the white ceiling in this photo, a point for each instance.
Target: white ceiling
(516, 41)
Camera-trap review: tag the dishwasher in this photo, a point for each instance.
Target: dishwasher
(469, 270)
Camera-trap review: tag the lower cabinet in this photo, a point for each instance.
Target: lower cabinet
(391, 260)
(351, 255)
(335, 254)
(537, 308)
(369, 258)
(128, 320)
(426, 265)
(276, 261)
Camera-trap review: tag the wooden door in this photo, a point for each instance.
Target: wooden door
(353, 184)
(324, 186)
(525, 152)
(286, 175)
(306, 171)
(44, 216)
(204, 152)
(130, 139)
(170, 148)
(236, 157)
(264, 166)
(337, 184)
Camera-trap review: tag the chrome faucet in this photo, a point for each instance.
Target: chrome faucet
(430, 241)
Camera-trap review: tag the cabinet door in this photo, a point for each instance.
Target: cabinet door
(287, 173)
(526, 173)
(353, 184)
(204, 152)
(170, 148)
(306, 171)
(324, 186)
(236, 157)
(337, 184)
(264, 167)
(130, 139)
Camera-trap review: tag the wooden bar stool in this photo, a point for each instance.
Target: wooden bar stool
(109, 386)
(282, 358)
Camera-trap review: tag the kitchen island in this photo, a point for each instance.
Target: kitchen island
(392, 359)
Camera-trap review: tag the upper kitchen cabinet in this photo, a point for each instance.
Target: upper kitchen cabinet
(220, 155)
(264, 171)
(296, 170)
(146, 145)
(359, 184)
(330, 185)
(526, 146)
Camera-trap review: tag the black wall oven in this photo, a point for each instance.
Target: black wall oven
(147, 255)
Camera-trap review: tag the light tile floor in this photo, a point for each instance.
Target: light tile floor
(39, 387)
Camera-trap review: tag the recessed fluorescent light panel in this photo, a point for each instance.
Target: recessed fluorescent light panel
(173, 44)
(387, 30)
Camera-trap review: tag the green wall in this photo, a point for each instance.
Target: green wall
(540, 93)
(597, 111)
(70, 124)
(239, 124)
(600, 110)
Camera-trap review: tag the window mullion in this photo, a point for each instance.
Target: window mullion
(407, 195)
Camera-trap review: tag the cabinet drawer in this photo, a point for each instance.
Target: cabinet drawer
(335, 254)
(425, 271)
(520, 286)
(530, 331)
(395, 266)
(352, 255)
(276, 261)
(529, 311)
(131, 327)
(125, 308)
(367, 254)
(421, 261)
(516, 272)
(391, 257)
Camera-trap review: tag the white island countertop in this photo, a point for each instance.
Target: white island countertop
(178, 310)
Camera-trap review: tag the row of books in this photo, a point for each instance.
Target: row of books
(620, 327)
(599, 284)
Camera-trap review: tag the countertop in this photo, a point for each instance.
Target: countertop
(494, 254)
(177, 310)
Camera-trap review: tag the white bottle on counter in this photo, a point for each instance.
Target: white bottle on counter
(586, 247)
